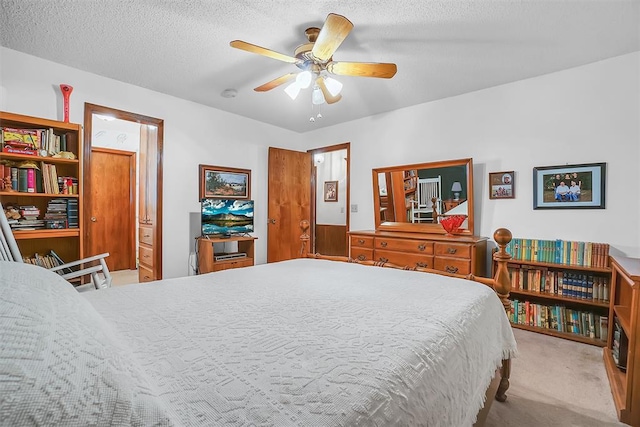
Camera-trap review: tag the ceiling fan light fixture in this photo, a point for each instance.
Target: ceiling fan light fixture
(333, 86)
(303, 79)
(317, 97)
(292, 90)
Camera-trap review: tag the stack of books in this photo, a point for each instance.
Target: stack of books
(56, 216)
(28, 219)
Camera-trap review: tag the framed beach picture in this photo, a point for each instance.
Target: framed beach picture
(569, 186)
(224, 183)
(331, 191)
(502, 185)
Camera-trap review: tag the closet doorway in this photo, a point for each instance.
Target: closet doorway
(123, 190)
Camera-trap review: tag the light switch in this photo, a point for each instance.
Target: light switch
(354, 208)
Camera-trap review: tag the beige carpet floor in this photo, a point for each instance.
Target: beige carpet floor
(555, 382)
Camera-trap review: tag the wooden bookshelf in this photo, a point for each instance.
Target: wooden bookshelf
(567, 286)
(625, 310)
(66, 242)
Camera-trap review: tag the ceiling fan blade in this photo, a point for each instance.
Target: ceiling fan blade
(363, 69)
(239, 44)
(276, 82)
(329, 99)
(336, 28)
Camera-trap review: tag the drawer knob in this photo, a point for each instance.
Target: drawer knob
(422, 247)
(383, 244)
(421, 264)
(361, 241)
(361, 257)
(451, 269)
(147, 235)
(383, 259)
(145, 256)
(452, 250)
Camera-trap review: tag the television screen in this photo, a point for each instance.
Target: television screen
(226, 216)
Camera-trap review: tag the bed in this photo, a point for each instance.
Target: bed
(305, 342)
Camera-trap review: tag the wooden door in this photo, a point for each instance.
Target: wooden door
(111, 225)
(289, 202)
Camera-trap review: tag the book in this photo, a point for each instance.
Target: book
(22, 180)
(31, 180)
(604, 327)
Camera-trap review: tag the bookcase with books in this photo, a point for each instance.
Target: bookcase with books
(622, 353)
(560, 288)
(41, 186)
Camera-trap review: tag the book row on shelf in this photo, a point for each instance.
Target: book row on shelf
(32, 142)
(559, 283)
(28, 177)
(47, 261)
(559, 318)
(583, 254)
(61, 213)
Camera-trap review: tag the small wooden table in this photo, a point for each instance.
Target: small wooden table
(207, 255)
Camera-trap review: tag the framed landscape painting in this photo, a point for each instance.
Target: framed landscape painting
(224, 183)
(570, 186)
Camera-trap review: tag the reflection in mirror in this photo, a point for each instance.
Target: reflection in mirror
(415, 197)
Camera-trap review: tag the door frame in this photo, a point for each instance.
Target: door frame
(314, 178)
(89, 111)
(133, 172)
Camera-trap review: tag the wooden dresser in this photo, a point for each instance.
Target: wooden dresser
(453, 254)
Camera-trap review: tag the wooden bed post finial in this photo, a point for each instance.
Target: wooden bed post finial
(502, 236)
(304, 238)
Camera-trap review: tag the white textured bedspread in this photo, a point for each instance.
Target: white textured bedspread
(314, 343)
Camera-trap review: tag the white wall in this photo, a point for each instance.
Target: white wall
(194, 134)
(581, 115)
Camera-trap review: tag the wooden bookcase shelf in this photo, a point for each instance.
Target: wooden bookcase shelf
(594, 309)
(66, 242)
(625, 311)
(565, 335)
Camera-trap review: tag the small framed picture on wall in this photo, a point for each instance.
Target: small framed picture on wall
(502, 185)
(331, 191)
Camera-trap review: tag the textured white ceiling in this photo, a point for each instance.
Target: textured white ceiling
(442, 48)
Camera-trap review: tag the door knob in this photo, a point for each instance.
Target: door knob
(271, 221)
(93, 219)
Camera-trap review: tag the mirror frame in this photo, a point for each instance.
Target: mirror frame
(422, 227)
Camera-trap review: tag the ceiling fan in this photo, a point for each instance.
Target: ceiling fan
(315, 59)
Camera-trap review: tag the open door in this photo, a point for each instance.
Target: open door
(289, 202)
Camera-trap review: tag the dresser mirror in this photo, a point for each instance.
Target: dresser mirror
(403, 196)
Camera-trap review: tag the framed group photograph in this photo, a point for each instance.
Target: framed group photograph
(331, 191)
(224, 183)
(502, 185)
(569, 186)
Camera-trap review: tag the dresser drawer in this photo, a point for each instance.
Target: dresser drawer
(361, 254)
(361, 242)
(405, 245)
(226, 265)
(457, 250)
(145, 256)
(145, 274)
(404, 259)
(453, 265)
(145, 235)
